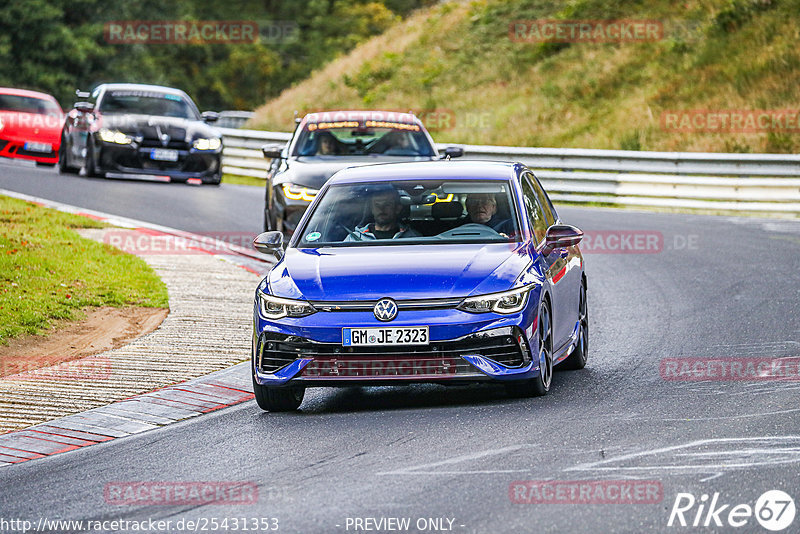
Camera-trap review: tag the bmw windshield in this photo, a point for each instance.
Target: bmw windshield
(418, 212)
(148, 103)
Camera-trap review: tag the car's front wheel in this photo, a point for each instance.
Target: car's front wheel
(90, 167)
(278, 399)
(536, 387)
(63, 166)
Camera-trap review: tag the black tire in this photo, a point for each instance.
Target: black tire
(539, 386)
(577, 360)
(89, 167)
(63, 168)
(278, 399)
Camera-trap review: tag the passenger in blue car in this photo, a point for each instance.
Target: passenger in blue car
(482, 209)
(386, 207)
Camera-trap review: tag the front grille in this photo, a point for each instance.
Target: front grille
(438, 358)
(23, 152)
(178, 144)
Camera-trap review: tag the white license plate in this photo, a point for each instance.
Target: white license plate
(397, 335)
(162, 154)
(32, 146)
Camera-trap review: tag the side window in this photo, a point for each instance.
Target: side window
(536, 216)
(541, 197)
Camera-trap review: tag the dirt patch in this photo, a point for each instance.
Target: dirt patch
(103, 329)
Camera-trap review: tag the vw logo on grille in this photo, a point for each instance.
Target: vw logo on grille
(385, 310)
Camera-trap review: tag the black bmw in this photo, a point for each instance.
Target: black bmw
(141, 132)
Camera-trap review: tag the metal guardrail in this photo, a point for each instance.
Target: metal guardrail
(738, 182)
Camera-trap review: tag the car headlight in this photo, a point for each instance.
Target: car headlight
(298, 192)
(207, 144)
(505, 302)
(114, 136)
(277, 308)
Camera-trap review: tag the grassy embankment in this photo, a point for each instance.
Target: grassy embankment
(48, 273)
(458, 58)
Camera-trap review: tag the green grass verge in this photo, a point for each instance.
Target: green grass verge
(243, 180)
(48, 272)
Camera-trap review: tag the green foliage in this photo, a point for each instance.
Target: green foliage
(58, 46)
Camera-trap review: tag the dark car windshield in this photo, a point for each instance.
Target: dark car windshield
(148, 103)
(27, 104)
(424, 212)
(363, 138)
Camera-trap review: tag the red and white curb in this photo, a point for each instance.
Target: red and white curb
(137, 414)
(154, 409)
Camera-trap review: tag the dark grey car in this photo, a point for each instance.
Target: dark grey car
(326, 142)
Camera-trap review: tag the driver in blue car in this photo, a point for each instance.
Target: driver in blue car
(482, 209)
(385, 206)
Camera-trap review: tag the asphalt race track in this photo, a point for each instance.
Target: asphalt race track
(717, 287)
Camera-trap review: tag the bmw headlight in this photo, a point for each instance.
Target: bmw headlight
(114, 136)
(298, 192)
(505, 302)
(277, 308)
(207, 144)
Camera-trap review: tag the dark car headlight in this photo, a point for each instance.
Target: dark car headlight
(506, 302)
(212, 143)
(277, 308)
(114, 136)
(299, 192)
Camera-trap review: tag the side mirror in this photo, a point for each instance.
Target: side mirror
(210, 116)
(561, 236)
(84, 107)
(270, 243)
(453, 152)
(272, 151)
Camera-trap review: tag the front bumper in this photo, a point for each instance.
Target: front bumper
(16, 149)
(501, 353)
(121, 161)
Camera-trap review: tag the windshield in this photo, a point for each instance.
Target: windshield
(27, 104)
(419, 212)
(148, 103)
(362, 138)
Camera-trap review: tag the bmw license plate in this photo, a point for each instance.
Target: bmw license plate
(398, 335)
(163, 154)
(32, 146)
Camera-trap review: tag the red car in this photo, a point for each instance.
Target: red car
(30, 126)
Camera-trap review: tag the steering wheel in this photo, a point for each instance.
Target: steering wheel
(469, 230)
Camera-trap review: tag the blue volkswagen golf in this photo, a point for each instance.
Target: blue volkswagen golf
(441, 272)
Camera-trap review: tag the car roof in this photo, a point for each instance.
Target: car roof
(25, 92)
(141, 87)
(428, 170)
(361, 115)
